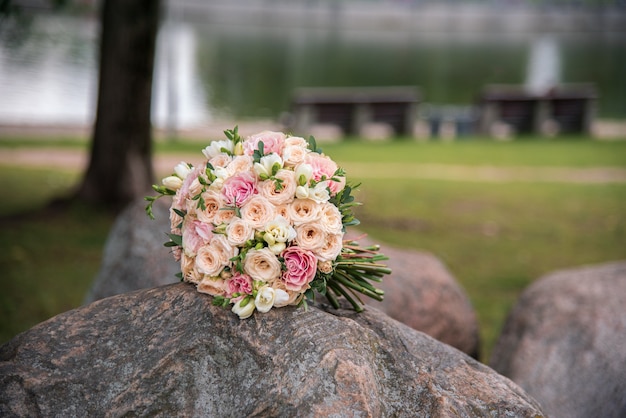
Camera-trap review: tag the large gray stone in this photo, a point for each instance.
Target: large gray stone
(134, 256)
(565, 342)
(168, 352)
(420, 292)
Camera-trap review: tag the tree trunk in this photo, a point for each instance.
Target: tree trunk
(120, 166)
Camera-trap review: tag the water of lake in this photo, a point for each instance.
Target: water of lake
(203, 72)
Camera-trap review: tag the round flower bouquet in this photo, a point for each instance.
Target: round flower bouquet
(261, 224)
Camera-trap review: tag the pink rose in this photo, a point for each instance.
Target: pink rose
(239, 188)
(239, 283)
(183, 193)
(195, 235)
(301, 267)
(272, 142)
(323, 166)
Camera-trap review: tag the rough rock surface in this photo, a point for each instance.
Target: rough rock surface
(564, 342)
(134, 256)
(420, 292)
(168, 352)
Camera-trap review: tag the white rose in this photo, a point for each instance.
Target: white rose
(258, 211)
(215, 148)
(239, 231)
(182, 170)
(172, 182)
(277, 233)
(265, 166)
(264, 299)
(262, 265)
(244, 311)
(304, 211)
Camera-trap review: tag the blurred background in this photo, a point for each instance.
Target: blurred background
(499, 214)
(242, 59)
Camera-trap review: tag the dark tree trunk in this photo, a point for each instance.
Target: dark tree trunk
(120, 166)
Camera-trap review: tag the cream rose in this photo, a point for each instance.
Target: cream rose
(304, 211)
(262, 265)
(212, 286)
(258, 211)
(239, 164)
(212, 203)
(209, 260)
(224, 216)
(310, 236)
(212, 258)
(296, 141)
(331, 247)
(283, 210)
(331, 219)
(220, 160)
(187, 267)
(279, 195)
(238, 232)
(294, 155)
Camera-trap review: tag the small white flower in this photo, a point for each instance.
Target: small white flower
(320, 192)
(221, 173)
(182, 170)
(172, 182)
(277, 232)
(265, 299)
(245, 311)
(281, 298)
(304, 172)
(216, 147)
(302, 192)
(238, 149)
(266, 165)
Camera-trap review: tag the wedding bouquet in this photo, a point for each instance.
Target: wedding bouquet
(261, 224)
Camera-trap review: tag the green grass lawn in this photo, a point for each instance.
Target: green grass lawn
(495, 237)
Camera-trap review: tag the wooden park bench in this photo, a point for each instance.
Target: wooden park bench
(568, 109)
(351, 108)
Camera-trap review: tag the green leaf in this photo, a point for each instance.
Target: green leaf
(177, 239)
